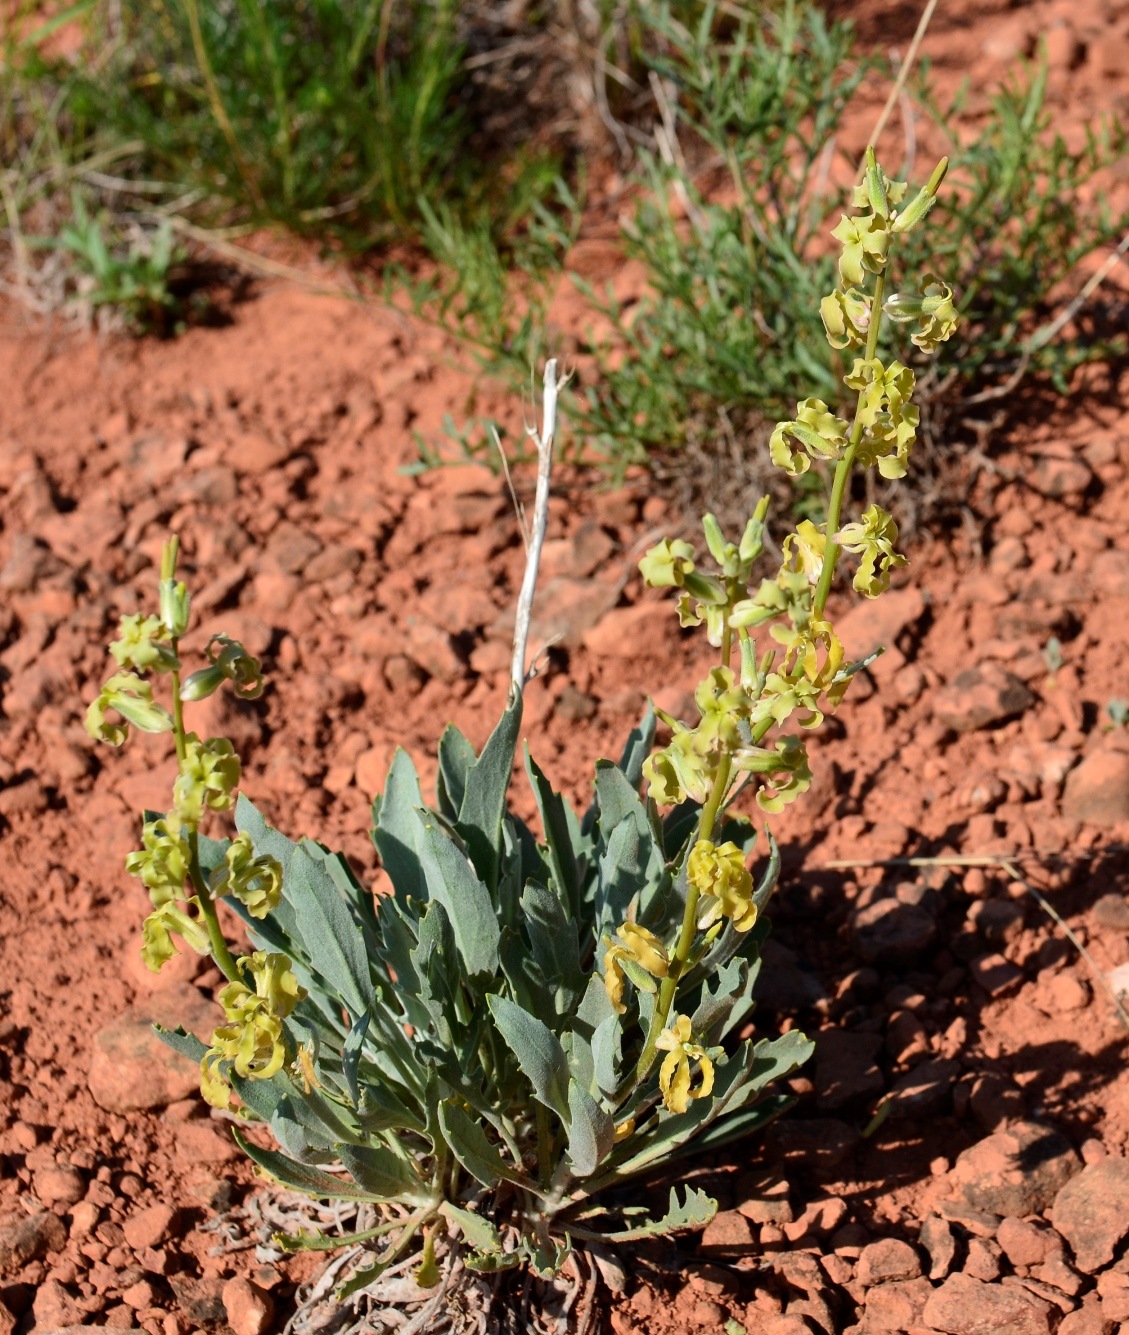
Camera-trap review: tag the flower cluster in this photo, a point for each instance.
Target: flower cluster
(208, 773)
(638, 954)
(750, 701)
(253, 1042)
(723, 883)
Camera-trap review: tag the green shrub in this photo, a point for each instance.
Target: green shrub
(527, 1024)
(330, 118)
(729, 226)
(730, 323)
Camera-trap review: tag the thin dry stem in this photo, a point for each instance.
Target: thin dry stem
(543, 439)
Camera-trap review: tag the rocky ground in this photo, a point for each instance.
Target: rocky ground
(992, 1195)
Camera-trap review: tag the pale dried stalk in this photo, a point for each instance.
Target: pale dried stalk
(543, 439)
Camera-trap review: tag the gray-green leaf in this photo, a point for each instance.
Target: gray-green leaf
(538, 1053)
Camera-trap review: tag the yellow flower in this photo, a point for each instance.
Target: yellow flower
(638, 954)
(143, 643)
(209, 776)
(162, 861)
(255, 881)
(667, 564)
(674, 1074)
(156, 933)
(722, 879)
(253, 1041)
(873, 538)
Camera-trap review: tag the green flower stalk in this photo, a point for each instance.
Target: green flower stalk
(800, 675)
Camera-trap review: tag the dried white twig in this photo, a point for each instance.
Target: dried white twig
(900, 81)
(543, 439)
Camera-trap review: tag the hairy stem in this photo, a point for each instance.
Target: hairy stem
(669, 984)
(846, 463)
(221, 952)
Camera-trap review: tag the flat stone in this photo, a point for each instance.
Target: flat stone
(1109, 573)
(1112, 911)
(887, 1260)
(727, 1231)
(249, 1309)
(924, 1089)
(995, 974)
(816, 1143)
(890, 932)
(940, 1245)
(1097, 789)
(1018, 1171)
(132, 1069)
(54, 1307)
(151, 1227)
(897, 1307)
(30, 1238)
(59, 1184)
(565, 609)
(979, 697)
(620, 632)
(1085, 1321)
(1059, 477)
(1025, 1242)
(1092, 1212)
(967, 1306)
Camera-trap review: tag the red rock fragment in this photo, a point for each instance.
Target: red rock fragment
(1097, 790)
(967, 1306)
(979, 697)
(887, 1260)
(249, 1310)
(1092, 1212)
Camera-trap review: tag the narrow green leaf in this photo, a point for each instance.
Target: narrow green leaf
(456, 760)
(325, 1242)
(554, 944)
(452, 882)
(396, 831)
(382, 1174)
(332, 937)
(188, 1045)
(607, 1044)
(302, 1177)
(484, 801)
(538, 1053)
(351, 1053)
(694, 1212)
(478, 1232)
(562, 835)
(638, 747)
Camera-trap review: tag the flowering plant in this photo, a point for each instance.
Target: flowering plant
(528, 1021)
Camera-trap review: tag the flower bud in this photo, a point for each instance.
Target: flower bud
(175, 603)
(199, 685)
(922, 202)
